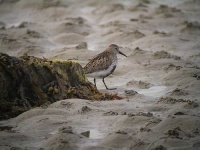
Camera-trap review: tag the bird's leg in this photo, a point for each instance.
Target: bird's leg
(95, 82)
(107, 87)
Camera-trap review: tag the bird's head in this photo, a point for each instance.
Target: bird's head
(114, 48)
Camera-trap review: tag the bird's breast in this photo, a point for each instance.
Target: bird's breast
(105, 72)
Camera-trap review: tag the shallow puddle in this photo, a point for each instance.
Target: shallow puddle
(158, 114)
(155, 91)
(96, 134)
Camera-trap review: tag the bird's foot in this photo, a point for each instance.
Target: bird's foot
(111, 88)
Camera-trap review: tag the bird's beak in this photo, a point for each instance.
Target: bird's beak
(122, 53)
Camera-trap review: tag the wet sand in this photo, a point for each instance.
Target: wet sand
(161, 40)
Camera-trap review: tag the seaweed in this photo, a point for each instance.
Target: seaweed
(28, 82)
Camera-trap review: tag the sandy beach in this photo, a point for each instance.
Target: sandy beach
(159, 80)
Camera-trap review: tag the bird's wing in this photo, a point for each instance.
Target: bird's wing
(100, 62)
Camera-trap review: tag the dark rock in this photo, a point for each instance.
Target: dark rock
(28, 82)
(82, 45)
(67, 129)
(86, 134)
(131, 92)
(85, 109)
(179, 113)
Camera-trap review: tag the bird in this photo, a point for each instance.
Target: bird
(103, 64)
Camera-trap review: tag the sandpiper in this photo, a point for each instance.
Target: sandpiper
(103, 64)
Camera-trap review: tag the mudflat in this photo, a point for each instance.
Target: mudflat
(159, 80)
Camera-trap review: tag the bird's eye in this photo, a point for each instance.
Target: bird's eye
(116, 48)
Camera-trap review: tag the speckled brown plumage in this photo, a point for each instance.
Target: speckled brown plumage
(100, 62)
(103, 64)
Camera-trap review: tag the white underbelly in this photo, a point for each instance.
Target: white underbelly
(103, 73)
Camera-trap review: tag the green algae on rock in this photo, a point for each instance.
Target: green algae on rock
(27, 82)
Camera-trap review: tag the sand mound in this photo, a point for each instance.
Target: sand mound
(159, 80)
(69, 38)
